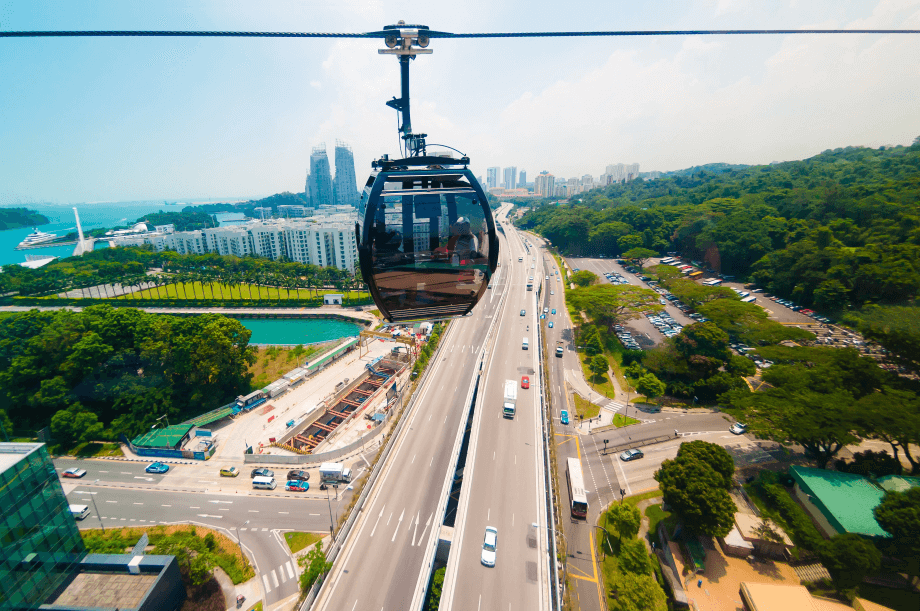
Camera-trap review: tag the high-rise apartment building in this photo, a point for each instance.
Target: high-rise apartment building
(510, 178)
(623, 172)
(492, 177)
(522, 179)
(545, 184)
(320, 177)
(345, 185)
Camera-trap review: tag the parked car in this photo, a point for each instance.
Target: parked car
(298, 475)
(229, 472)
(74, 473)
(296, 485)
(262, 472)
(738, 428)
(631, 455)
(157, 467)
(525, 382)
(489, 546)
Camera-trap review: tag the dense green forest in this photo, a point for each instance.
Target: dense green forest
(129, 266)
(838, 230)
(188, 219)
(104, 371)
(13, 218)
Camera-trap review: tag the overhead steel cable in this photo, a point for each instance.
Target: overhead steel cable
(430, 33)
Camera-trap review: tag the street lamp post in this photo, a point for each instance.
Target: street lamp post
(329, 502)
(565, 557)
(240, 541)
(96, 509)
(606, 537)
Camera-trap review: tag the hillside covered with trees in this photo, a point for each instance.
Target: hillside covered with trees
(13, 218)
(105, 370)
(838, 230)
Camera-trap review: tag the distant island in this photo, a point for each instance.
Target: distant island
(14, 218)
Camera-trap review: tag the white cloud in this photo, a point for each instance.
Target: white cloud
(316, 84)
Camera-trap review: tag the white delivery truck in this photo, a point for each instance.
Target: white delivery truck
(510, 399)
(334, 473)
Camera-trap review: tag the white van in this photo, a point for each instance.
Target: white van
(526, 344)
(263, 483)
(79, 512)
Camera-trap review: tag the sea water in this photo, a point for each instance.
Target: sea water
(92, 216)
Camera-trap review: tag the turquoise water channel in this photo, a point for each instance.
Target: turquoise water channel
(293, 331)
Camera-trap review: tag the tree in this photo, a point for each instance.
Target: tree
(628, 242)
(200, 568)
(823, 423)
(831, 295)
(637, 592)
(894, 417)
(634, 557)
(7, 425)
(712, 454)
(849, 559)
(703, 339)
(871, 464)
(598, 365)
(625, 519)
(583, 278)
(698, 495)
(607, 305)
(315, 566)
(639, 255)
(650, 386)
(899, 514)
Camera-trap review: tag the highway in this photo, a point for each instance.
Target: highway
(503, 479)
(381, 567)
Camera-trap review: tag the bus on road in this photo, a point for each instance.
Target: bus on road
(577, 495)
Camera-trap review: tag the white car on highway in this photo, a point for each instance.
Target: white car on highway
(489, 546)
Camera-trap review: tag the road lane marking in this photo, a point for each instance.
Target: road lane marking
(431, 462)
(416, 528)
(413, 458)
(390, 518)
(488, 513)
(165, 505)
(111, 501)
(427, 522)
(253, 511)
(204, 515)
(194, 507)
(101, 471)
(265, 582)
(291, 571)
(223, 509)
(138, 503)
(285, 512)
(314, 514)
(375, 523)
(227, 502)
(396, 530)
(126, 473)
(354, 605)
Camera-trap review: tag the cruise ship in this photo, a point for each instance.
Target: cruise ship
(37, 237)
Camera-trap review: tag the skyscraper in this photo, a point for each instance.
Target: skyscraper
(545, 184)
(492, 177)
(522, 180)
(510, 178)
(344, 187)
(320, 178)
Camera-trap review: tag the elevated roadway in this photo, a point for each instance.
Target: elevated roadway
(383, 566)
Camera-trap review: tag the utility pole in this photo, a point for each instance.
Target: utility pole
(93, 496)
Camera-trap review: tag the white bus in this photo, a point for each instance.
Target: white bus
(712, 282)
(577, 495)
(749, 299)
(667, 261)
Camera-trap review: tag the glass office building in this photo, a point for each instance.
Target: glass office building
(40, 545)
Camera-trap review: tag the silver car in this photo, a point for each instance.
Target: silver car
(489, 546)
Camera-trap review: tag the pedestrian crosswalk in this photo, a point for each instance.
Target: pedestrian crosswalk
(277, 576)
(255, 530)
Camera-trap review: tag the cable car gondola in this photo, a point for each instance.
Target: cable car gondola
(427, 241)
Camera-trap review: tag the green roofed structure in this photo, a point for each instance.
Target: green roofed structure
(165, 437)
(839, 502)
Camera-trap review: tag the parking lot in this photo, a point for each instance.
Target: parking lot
(644, 332)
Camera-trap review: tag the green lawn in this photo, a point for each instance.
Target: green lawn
(237, 292)
(655, 515)
(94, 448)
(600, 384)
(619, 420)
(299, 540)
(585, 408)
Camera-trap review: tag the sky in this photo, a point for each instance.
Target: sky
(86, 120)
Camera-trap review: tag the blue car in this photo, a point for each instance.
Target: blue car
(550, 324)
(564, 417)
(554, 310)
(157, 467)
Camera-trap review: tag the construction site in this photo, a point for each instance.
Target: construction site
(371, 394)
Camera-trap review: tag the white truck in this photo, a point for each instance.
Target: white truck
(510, 399)
(334, 473)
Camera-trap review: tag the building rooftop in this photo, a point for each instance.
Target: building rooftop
(846, 499)
(785, 597)
(163, 437)
(105, 590)
(12, 453)
(898, 483)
